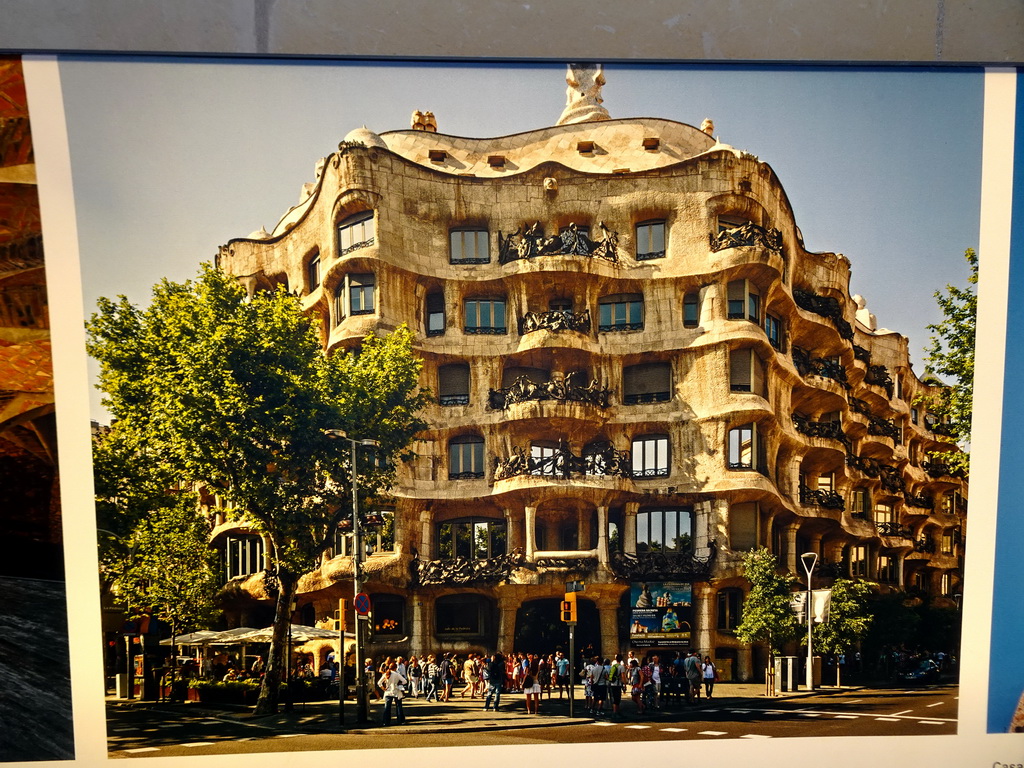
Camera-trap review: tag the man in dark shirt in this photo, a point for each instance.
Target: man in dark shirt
(495, 680)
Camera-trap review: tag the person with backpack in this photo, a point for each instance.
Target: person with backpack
(599, 673)
(616, 673)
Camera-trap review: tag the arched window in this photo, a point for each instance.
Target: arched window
(355, 295)
(466, 458)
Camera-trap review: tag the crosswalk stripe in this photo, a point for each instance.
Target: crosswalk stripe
(198, 744)
(287, 735)
(141, 749)
(809, 714)
(638, 726)
(937, 704)
(755, 736)
(673, 730)
(711, 733)
(930, 722)
(847, 717)
(888, 719)
(598, 722)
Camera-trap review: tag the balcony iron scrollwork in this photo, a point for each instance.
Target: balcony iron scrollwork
(925, 545)
(562, 463)
(879, 376)
(817, 366)
(462, 570)
(827, 307)
(869, 467)
(884, 427)
(941, 469)
(859, 353)
(892, 480)
(684, 566)
(747, 234)
(893, 529)
(830, 429)
(555, 320)
(530, 242)
(562, 389)
(860, 406)
(811, 497)
(918, 501)
(943, 430)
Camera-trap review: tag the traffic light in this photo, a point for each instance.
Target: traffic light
(339, 622)
(569, 608)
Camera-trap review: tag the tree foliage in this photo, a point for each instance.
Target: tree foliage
(950, 354)
(235, 393)
(767, 616)
(848, 620)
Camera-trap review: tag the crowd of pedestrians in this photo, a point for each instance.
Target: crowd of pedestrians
(437, 677)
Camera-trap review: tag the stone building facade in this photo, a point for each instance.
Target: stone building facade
(640, 375)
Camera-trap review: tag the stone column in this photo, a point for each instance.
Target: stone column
(745, 664)
(419, 637)
(901, 558)
(718, 522)
(514, 532)
(508, 604)
(426, 536)
(703, 618)
(629, 527)
(583, 541)
(791, 555)
(602, 536)
(531, 533)
(608, 612)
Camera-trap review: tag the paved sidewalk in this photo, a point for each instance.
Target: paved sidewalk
(465, 714)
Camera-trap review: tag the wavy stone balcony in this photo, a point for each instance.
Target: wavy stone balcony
(685, 566)
(746, 235)
(530, 242)
(939, 469)
(893, 529)
(832, 430)
(817, 366)
(878, 375)
(827, 307)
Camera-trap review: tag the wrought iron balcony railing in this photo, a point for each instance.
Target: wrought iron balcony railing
(562, 463)
(570, 563)
(941, 469)
(530, 242)
(859, 353)
(830, 429)
(878, 375)
(684, 566)
(827, 307)
(892, 480)
(453, 399)
(884, 427)
(814, 497)
(555, 320)
(869, 467)
(563, 389)
(893, 529)
(817, 366)
(918, 501)
(747, 234)
(462, 570)
(925, 545)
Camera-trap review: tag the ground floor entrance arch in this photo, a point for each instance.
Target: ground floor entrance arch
(539, 628)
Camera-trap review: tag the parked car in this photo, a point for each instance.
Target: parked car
(925, 672)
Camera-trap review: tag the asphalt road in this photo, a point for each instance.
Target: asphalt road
(140, 732)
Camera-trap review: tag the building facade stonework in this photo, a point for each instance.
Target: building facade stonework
(640, 375)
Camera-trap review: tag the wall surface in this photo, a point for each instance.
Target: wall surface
(921, 31)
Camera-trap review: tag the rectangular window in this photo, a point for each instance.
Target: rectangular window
(313, 270)
(691, 310)
(746, 371)
(360, 293)
(859, 560)
(651, 456)
(948, 541)
(469, 246)
(861, 503)
(647, 383)
(730, 609)
(746, 450)
(243, 555)
(888, 569)
(622, 312)
(466, 459)
(744, 301)
(773, 327)
(650, 240)
(435, 314)
(913, 415)
(355, 232)
(743, 518)
(485, 316)
(664, 530)
(884, 516)
(453, 384)
(947, 584)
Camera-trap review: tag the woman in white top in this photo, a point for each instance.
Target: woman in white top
(393, 684)
(709, 672)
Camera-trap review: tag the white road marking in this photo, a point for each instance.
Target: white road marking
(937, 704)
(888, 719)
(855, 701)
(897, 714)
(641, 727)
(809, 714)
(739, 711)
(672, 730)
(755, 736)
(847, 717)
(199, 744)
(931, 722)
(140, 749)
(711, 733)
(288, 735)
(597, 722)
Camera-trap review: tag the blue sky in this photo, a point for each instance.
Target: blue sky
(173, 157)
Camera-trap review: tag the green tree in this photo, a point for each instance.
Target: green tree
(950, 354)
(235, 393)
(848, 620)
(767, 616)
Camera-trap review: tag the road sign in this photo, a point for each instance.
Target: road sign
(575, 586)
(362, 603)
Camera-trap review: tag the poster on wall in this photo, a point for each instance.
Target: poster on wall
(661, 614)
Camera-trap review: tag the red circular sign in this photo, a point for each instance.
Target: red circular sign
(362, 603)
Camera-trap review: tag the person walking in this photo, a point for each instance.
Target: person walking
(562, 672)
(710, 675)
(635, 682)
(599, 684)
(415, 675)
(495, 681)
(392, 682)
(691, 665)
(616, 674)
(431, 678)
(531, 686)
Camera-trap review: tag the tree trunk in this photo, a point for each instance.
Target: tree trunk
(270, 689)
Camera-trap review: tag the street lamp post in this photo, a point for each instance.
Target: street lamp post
(362, 713)
(809, 559)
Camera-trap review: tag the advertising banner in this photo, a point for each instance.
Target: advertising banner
(661, 614)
